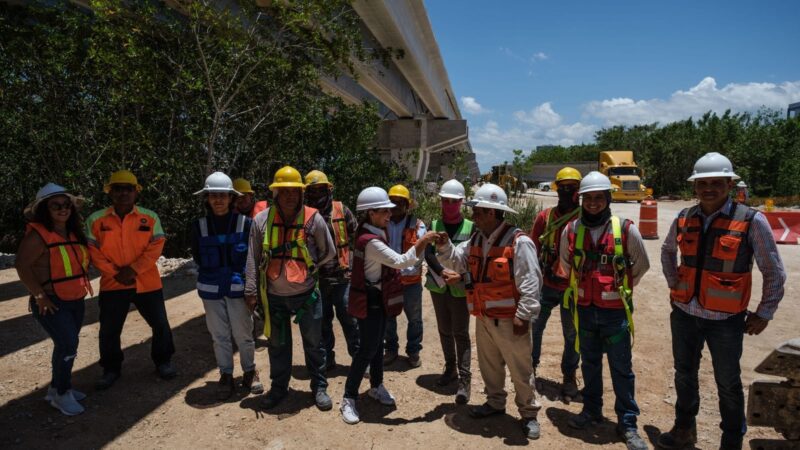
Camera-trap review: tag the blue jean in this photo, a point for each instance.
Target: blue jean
(552, 299)
(281, 310)
(370, 353)
(63, 327)
(724, 338)
(334, 304)
(412, 307)
(601, 329)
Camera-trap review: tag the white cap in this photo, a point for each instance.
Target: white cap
(713, 165)
(220, 183)
(373, 198)
(490, 196)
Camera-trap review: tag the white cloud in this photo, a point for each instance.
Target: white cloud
(472, 106)
(695, 102)
(541, 116)
(539, 56)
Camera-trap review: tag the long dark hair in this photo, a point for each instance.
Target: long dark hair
(74, 223)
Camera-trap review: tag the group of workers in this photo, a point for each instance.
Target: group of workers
(307, 258)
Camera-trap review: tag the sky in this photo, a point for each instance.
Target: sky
(537, 72)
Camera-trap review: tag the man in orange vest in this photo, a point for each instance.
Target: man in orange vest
(288, 243)
(246, 203)
(334, 277)
(718, 241)
(125, 242)
(503, 281)
(403, 232)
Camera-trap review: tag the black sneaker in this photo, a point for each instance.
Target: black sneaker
(584, 420)
(678, 437)
(166, 371)
(252, 383)
(485, 410)
(106, 381)
(225, 387)
(448, 376)
(389, 357)
(272, 399)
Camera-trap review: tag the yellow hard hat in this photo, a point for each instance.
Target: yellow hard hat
(317, 177)
(568, 173)
(287, 177)
(122, 177)
(398, 190)
(243, 186)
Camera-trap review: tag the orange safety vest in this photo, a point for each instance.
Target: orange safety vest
(410, 231)
(287, 246)
(340, 236)
(493, 293)
(69, 264)
(716, 264)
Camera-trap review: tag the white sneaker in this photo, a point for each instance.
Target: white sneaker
(66, 404)
(382, 395)
(349, 411)
(51, 391)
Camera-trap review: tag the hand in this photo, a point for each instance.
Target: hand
(442, 238)
(754, 324)
(126, 276)
(429, 237)
(251, 301)
(450, 276)
(521, 326)
(45, 305)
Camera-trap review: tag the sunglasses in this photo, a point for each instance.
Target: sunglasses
(122, 188)
(58, 206)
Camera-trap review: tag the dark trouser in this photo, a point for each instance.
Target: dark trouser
(281, 310)
(412, 307)
(724, 338)
(63, 327)
(114, 306)
(605, 331)
(334, 302)
(552, 299)
(452, 319)
(370, 352)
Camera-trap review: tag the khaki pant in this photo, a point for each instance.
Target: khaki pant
(499, 347)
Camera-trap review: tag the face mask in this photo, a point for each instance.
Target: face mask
(451, 212)
(320, 203)
(567, 198)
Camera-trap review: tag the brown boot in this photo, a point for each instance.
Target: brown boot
(225, 387)
(678, 438)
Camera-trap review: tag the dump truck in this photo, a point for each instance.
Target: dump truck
(625, 175)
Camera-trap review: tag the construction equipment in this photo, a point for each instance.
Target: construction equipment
(625, 175)
(776, 403)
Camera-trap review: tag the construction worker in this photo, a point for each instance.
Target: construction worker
(375, 294)
(334, 277)
(246, 202)
(450, 299)
(503, 280)
(288, 242)
(742, 195)
(219, 247)
(404, 230)
(605, 257)
(546, 235)
(710, 290)
(125, 242)
(53, 262)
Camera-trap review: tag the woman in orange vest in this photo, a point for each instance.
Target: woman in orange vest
(52, 263)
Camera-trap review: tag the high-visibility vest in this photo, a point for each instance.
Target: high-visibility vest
(409, 237)
(434, 282)
(494, 293)
(222, 259)
(390, 285)
(69, 263)
(340, 236)
(550, 240)
(285, 246)
(716, 264)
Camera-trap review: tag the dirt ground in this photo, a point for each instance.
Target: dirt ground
(142, 411)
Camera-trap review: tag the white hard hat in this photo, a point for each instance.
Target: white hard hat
(373, 198)
(713, 165)
(490, 196)
(452, 189)
(741, 184)
(220, 183)
(594, 181)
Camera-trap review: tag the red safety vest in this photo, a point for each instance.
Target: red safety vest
(409, 240)
(720, 255)
(69, 264)
(340, 236)
(494, 293)
(391, 287)
(287, 246)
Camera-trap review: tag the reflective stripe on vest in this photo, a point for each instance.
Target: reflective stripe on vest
(69, 264)
(222, 260)
(434, 282)
(494, 292)
(340, 236)
(289, 252)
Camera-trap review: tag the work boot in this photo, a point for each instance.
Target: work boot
(531, 428)
(323, 400)
(166, 371)
(330, 362)
(349, 411)
(414, 360)
(584, 420)
(485, 410)
(678, 437)
(462, 395)
(272, 398)
(106, 381)
(569, 387)
(51, 391)
(225, 387)
(252, 383)
(66, 403)
(382, 395)
(632, 439)
(448, 376)
(389, 357)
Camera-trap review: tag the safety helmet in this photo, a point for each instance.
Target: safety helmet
(594, 181)
(373, 198)
(220, 183)
(713, 165)
(243, 186)
(317, 177)
(122, 177)
(568, 173)
(452, 189)
(490, 196)
(398, 190)
(287, 177)
(741, 184)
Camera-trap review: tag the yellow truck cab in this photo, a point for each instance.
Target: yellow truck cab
(625, 175)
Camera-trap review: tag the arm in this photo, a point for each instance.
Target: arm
(564, 257)
(453, 257)
(528, 278)
(149, 257)
(99, 260)
(326, 249)
(30, 249)
(195, 242)
(637, 255)
(537, 230)
(384, 255)
(669, 255)
(350, 222)
(433, 262)
(769, 263)
(254, 255)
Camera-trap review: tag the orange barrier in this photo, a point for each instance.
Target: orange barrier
(785, 226)
(648, 219)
